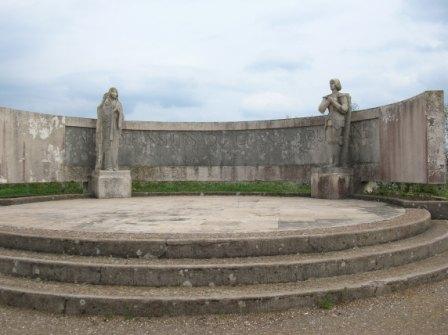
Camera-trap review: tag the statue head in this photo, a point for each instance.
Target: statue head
(113, 93)
(335, 84)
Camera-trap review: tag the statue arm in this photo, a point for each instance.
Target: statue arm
(324, 105)
(341, 107)
(120, 117)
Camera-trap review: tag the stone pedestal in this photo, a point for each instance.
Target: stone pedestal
(112, 184)
(331, 182)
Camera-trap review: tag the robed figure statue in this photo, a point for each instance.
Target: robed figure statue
(337, 124)
(108, 131)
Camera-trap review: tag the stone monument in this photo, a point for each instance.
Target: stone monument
(334, 180)
(107, 180)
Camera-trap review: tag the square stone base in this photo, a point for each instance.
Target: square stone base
(112, 184)
(331, 182)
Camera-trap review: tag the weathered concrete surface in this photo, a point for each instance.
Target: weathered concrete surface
(243, 151)
(416, 310)
(412, 140)
(31, 147)
(152, 272)
(112, 184)
(111, 230)
(307, 263)
(39, 198)
(437, 208)
(401, 142)
(196, 214)
(146, 301)
(331, 182)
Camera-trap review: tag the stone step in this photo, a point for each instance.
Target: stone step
(133, 245)
(149, 301)
(223, 271)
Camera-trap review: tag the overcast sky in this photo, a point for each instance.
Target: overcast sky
(205, 60)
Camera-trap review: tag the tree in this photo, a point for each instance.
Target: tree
(355, 107)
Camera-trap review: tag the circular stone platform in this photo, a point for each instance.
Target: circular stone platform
(195, 214)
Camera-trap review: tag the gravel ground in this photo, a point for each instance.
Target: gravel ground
(420, 310)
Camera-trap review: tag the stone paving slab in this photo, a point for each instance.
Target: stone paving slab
(215, 245)
(193, 214)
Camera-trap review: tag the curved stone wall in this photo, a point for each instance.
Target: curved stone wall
(397, 142)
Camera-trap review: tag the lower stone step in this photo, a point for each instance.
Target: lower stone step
(223, 271)
(147, 301)
(172, 246)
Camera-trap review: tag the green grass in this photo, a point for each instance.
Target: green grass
(54, 188)
(402, 190)
(128, 315)
(274, 187)
(326, 303)
(412, 191)
(32, 189)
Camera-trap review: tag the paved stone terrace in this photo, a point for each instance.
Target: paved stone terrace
(195, 214)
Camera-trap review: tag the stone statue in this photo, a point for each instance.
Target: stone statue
(108, 131)
(337, 124)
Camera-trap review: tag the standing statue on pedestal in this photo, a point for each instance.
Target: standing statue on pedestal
(337, 124)
(107, 180)
(334, 180)
(108, 131)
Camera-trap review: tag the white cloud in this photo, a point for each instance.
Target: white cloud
(216, 60)
(269, 101)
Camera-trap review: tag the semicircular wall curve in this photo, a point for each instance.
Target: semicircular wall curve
(401, 142)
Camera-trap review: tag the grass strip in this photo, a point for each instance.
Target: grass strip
(274, 187)
(54, 188)
(411, 191)
(32, 189)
